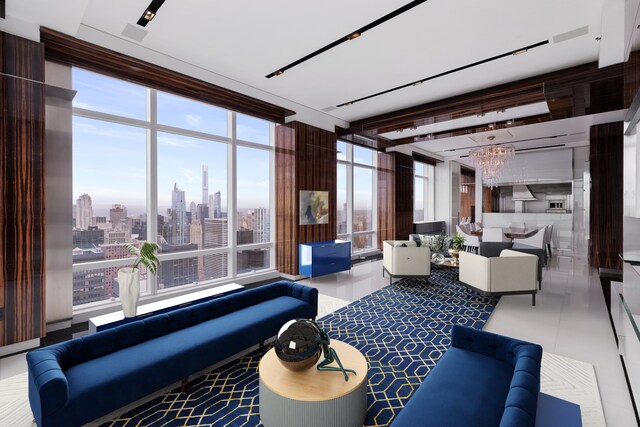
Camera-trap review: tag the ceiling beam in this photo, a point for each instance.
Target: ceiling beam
(576, 91)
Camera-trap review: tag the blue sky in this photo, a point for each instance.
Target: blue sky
(109, 160)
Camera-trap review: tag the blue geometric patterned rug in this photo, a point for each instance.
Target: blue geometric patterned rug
(402, 330)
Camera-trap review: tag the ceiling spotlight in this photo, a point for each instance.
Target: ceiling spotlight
(500, 111)
(518, 52)
(418, 83)
(413, 127)
(354, 35)
(430, 136)
(492, 125)
(480, 115)
(510, 122)
(348, 103)
(279, 73)
(150, 12)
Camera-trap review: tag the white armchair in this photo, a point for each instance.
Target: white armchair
(511, 273)
(405, 261)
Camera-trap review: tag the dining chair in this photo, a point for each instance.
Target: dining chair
(547, 239)
(536, 241)
(494, 234)
(517, 226)
(471, 242)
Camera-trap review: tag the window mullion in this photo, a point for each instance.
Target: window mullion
(152, 178)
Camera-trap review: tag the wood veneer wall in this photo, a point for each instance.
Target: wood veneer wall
(22, 248)
(395, 196)
(606, 207)
(305, 160)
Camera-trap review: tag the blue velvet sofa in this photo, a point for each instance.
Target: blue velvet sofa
(77, 381)
(483, 379)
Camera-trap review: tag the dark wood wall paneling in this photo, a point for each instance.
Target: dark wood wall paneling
(467, 193)
(305, 161)
(386, 197)
(395, 196)
(606, 207)
(22, 247)
(68, 50)
(631, 78)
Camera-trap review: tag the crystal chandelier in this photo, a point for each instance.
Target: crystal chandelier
(490, 162)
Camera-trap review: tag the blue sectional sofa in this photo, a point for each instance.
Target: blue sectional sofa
(80, 380)
(483, 379)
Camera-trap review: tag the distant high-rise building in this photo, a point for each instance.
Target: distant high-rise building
(177, 272)
(195, 237)
(215, 236)
(179, 223)
(117, 215)
(101, 220)
(193, 210)
(217, 205)
(261, 225)
(88, 239)
(84, 212)
(205, 184)
(244, 236)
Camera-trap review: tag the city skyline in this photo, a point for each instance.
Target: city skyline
(120, 149)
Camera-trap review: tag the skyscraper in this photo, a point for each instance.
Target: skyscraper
(205, 184)
(215, 236)
(179, 223)
(117, 215)
(84, 212)
(195, 237)
(261, 225)
(217, 205)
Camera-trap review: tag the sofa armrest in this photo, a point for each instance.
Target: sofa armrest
(48, 387)
(475, 270)
(499, 347)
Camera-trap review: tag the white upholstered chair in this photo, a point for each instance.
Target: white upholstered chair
(511, 273)
(405, 261)
(493, 234)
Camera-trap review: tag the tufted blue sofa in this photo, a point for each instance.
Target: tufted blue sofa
(83, 379)
(483, 379)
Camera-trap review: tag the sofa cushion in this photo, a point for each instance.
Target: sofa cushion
(463, 389)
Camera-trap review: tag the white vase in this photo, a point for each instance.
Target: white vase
(129, 282)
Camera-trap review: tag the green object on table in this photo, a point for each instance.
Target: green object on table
(331, 356)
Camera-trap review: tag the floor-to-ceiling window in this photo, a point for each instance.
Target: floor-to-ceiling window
(424, 192)
(356, 196)
(148, 165)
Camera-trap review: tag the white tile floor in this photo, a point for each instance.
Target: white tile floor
(570, 319)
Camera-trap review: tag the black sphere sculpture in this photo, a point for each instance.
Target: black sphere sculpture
(298, 344)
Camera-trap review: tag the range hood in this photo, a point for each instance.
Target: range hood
(522, 193)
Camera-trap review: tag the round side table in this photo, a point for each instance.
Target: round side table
(313, 398)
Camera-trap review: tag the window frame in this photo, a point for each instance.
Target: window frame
(428, 188)
(153, 128)
(350, 163)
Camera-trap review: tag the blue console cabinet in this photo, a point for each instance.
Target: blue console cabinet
(320, 258)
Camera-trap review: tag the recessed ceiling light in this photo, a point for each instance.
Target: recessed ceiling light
(418, 83)
(149, 15)
(492, 125)
(279, 73)
(509, 122)
(500, 111)
(518, 52)
(354, 35)
(480, 115)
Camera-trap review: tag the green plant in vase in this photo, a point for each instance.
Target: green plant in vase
(457, 242)
(129, 277)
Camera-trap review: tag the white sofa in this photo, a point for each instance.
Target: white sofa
(509, 274)
(409, 260)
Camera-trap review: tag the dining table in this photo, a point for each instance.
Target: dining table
(512, 233)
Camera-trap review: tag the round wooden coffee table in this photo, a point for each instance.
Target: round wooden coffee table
(313, 398)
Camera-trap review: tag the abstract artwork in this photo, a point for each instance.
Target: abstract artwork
(314, 207)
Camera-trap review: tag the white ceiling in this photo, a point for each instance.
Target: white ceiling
(245, 40)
